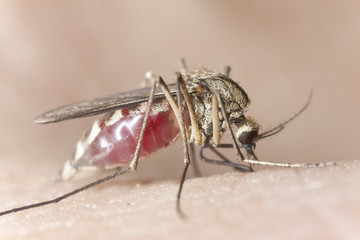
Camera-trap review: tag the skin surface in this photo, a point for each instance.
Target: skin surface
(278, 204)
(55, 53)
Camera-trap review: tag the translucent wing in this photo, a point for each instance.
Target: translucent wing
(101, 105)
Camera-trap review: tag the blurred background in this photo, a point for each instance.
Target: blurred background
(58, 52)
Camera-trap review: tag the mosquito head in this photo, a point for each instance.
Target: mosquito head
(248, 131)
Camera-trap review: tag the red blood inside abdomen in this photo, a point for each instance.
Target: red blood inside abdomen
(116, 144)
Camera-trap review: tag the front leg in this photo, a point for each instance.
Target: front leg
(224, 161)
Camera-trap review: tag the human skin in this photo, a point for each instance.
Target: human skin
(59, 53)
(320, 203)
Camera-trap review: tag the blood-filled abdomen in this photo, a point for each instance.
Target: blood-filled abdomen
(112, 139)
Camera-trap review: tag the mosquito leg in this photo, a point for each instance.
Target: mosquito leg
(254, 160)
(222, 145)
(58, 199)
(288, 165)
(227, 71)
(183, 67)
(215, 121)
(195, 130)
(221, 104)
(134, 162)
(194, 161)
(179, 114)
(225, 162)
(185, 146)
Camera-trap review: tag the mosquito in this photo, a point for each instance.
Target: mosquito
(200, 106)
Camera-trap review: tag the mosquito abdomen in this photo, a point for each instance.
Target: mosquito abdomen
(112, 139)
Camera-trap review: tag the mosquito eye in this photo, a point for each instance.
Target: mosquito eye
(247, 137)
(248, 132)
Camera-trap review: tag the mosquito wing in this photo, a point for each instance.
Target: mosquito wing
(101, 105)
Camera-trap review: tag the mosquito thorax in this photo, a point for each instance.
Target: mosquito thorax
(208, 81)
(248, 131)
